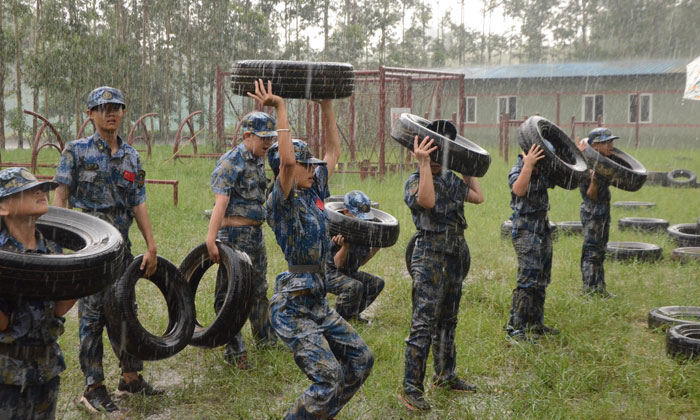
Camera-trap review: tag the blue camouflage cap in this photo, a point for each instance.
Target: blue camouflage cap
(359, 205)
(260, 124)
(15, 180)
(302, 154)
(601, 135)
(105, 95)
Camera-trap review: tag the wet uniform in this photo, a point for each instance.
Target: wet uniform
(30, 357)
(241, 176)
(533, 245)
(595, 218)
(107, 186)
(326, 348)
(439, 264)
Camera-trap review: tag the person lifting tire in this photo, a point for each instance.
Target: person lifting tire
(380, 232)
(620, 169)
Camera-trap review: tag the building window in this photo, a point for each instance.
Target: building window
(644, 110)
(470, 109)
(507, 105)
(593, 107)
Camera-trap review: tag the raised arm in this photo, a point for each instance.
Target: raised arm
(332, 138)
(475, 195)
(426, 189)
(530, 159)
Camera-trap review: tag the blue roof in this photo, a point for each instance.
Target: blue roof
(579, 69)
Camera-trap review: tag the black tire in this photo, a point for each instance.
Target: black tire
(683, 341)
(381, 232)
(96, 262)
(622, 170)
(686, 254)
(126, 330)
(409, 252)
(685, 234)
(681, 178)
(295, 79)
(625, 251)
(634, 204)
(507, 229)
(646, 224)
(341, 199)
(570, 228)
(459, 155)
(667, 316)
(566, 166)
(656, 178)
(234, 311)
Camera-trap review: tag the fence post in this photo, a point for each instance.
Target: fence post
(382, 118)
(352, 128)
(219, 109)
(461, 106)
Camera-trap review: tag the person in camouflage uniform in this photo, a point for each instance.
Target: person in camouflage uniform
(326, 348)
(595, 218)
(102, 176)
(356, 290)
(439, 264)
(533, 245)
(238, 182)
(30, 357)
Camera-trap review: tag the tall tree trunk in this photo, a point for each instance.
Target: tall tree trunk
(212, 92)
(2, 77)
(326, 28)
(166, 117)
(37, 44)
(144, 52)
(18, 79)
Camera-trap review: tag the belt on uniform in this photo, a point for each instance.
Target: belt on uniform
(447, 232)
(312, 268)
(25, 353)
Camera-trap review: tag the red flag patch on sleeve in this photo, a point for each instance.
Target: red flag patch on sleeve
(320, 204)
(129, 176)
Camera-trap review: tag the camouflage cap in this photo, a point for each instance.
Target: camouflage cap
(302, 154)
(15, 180)
(260, 124)
(601, 135)
(105, 95)
(359, 205)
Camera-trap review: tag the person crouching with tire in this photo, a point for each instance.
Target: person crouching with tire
(102, 175)
(325, 346)
(439, 264)
(595, 218)
(533, 245)
(238, 182)
(30, 357)
(356, 290)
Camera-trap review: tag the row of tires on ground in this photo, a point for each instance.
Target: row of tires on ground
(674, 178)
(682, 326)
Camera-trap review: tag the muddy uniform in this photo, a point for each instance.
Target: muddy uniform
(439, 264)
(107, 186)
(533, 245)
(30, 357)
(326, 348)
(595, 218)
(241, 176)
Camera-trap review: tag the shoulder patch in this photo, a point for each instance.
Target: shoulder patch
(141, 178)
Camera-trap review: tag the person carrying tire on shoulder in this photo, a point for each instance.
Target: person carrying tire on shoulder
(532, 241)
(30, 357)
(102, 176)
(238, 182)
(595, 218)
(356, 290)
(325, 346)
(439, 264)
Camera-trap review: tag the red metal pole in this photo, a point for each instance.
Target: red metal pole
(506, 140)
(462, 107)
(382, 118)
(573, 127)
(352, 128)
(438, 105)
(558, 106)
(636, 125)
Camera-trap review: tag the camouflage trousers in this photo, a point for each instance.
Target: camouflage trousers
(32, 402)
(326, 348)
(596, 231)
(437, 290)
(249, 239)
(534, 251)
(92, 323)
(355, 291)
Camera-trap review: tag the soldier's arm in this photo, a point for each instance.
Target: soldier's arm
(63, 306)
(144, 223)
(60, 196)
(4, 321)
(217, 216)
(530, 159)
(475, 195)
(372, 253)
(342, 255)
(592, 191)
(426, 189)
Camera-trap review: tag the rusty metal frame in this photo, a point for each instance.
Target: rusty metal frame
(146, 138)
(178, 137)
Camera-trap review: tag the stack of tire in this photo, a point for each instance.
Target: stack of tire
(682, 326)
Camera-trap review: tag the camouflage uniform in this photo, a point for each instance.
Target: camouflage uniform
(533, 245)
(439, 264)
(326, 348)
(107, 186)
(241, 176)
(30, 357)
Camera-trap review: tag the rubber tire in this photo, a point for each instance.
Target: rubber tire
(683, 341)
(657, 178)
(685, 234)
(570, 228)
(667, 316)
(686, 254)
(625, 251)
(123, 324)
(645, 224)
(341, 199)
(409, 252)
(622, 170)
(234, 311)
(674, 181)
(567, 167)
(507, 229)
(382, 232)
(96, 262)
(460, 154)
(634, 204)
(295, 79)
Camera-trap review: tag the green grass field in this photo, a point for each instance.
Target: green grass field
(605, 364)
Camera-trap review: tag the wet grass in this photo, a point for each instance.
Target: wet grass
(605, 364)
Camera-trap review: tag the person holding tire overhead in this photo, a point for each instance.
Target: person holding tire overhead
(102, 176)
(30, 357)
(595, 218)
(356, 290)
(439, 263)
(238, 182)
(325, 346)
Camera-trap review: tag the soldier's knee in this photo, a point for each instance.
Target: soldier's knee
(354, 288)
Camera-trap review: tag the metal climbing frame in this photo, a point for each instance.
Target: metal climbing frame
(37, 146)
